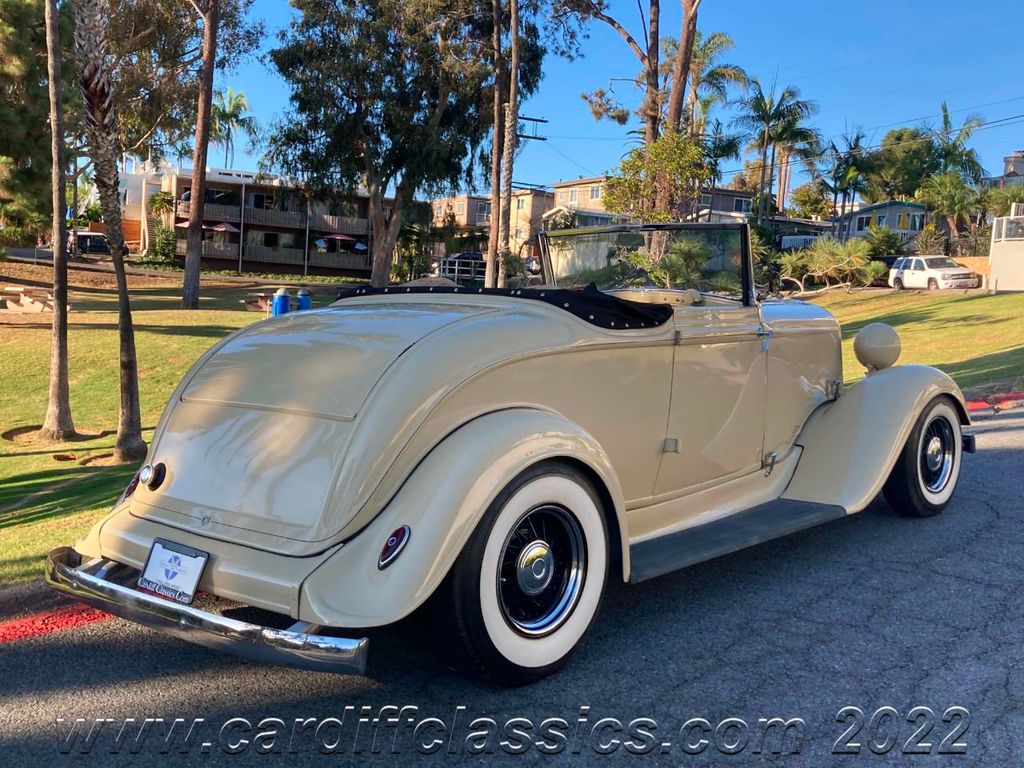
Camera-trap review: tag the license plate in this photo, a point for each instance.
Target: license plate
(173, 570)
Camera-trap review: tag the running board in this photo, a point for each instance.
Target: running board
(664, 554)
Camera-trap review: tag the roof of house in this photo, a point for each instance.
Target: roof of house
(881, 206)
(581, 180)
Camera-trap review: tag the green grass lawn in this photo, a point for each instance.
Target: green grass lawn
(51, 494)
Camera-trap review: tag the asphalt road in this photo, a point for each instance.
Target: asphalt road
(871, 611)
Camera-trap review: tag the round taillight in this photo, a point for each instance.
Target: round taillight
(393, 546)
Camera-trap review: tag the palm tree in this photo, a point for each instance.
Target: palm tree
(952, 146)
(764, 115)
(58, 424)
(846, 172)
(230, 115)
(797, 143)
(947, 195)
(94, 79)
(709, 77)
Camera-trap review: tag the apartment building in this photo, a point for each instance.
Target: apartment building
(470, 216)
(252, 221)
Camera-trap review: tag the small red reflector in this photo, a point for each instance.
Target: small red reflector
(131, 486)
(393, 546)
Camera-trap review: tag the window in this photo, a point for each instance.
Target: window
(563, 195)
(705, 201)
(520, 203)
(901, 221)
(461, 206)
(863, 222)
(483, 208)
(741, 205)
(573, 195)
(518, 234)
(916, 222)
(918, 265)
(271, 239)
(880, 220)
(262, 201)
(595, 192)
(898, 264)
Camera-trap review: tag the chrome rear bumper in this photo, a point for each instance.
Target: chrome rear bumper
(288, 647)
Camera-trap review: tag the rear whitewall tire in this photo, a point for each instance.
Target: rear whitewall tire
(493, 643)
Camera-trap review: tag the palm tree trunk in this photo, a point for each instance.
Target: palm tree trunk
(764, 168)
(681, 66)
(511, 128)
(194, 238)
(771, 184)
(94, 78)
(58, 424)
(498, 112)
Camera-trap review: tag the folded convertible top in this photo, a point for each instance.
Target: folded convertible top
(589, 304)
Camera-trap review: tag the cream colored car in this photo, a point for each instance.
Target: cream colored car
(503, 453)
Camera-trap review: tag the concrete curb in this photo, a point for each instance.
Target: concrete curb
(999, 402)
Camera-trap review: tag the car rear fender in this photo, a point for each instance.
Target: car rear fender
(851, 445)
(442, 501)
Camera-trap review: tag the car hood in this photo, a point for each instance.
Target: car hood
(255, 436)
(954, 272)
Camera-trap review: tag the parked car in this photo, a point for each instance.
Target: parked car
(94, 243)
(465, 268)
(502, 453)
(932, 272)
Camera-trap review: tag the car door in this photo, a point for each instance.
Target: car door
(897, 271)
(915, 275)
(716, 415)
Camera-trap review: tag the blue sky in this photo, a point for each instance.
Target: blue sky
(874, 64)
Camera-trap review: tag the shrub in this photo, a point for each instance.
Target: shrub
(930, 242)
(882, 241)
(163, 246)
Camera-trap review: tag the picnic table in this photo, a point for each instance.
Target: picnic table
(26, 299)
(262, 301)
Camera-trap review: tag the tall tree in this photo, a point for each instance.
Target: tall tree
(509, 145)
(388, 102)
(904, 159)
(58, 424)
(682, 64)
(947, 195)
(954, 152)
(765, 114)
(602, 104)
(207, 11)
(497, 140)
(231, 116)
(710, 78)
(101, 122)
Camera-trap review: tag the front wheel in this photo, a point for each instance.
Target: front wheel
(933, 284)
(926, 472)
(528, 584)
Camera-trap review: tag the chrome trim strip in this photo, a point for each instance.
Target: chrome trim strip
(318, 653)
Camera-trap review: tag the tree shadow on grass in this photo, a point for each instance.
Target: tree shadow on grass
(1008, 364)
(59, 492)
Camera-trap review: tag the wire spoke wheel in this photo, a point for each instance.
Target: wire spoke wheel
(937, 453)
(542, 570)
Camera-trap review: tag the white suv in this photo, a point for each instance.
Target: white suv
(932, 272)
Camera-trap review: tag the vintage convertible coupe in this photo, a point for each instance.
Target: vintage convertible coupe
(501, 453)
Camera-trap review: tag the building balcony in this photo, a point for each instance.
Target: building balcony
(339, 260)
(266, 255)
(274, 218)
(211, 211)
(211, 250)
(346, 225)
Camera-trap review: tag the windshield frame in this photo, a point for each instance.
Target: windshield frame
(951, 265)
(746, 262)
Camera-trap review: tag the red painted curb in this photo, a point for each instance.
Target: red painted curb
(47, 622)
(996, 400)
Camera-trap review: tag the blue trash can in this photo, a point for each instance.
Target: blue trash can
(304, 300)
(282, 302)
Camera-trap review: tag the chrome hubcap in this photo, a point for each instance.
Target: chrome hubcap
(938, 454)
(535, 568)
(542, 570)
